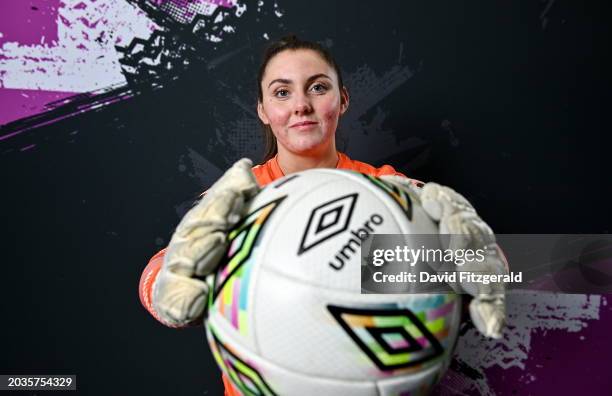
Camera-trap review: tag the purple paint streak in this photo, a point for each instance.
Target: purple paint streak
(77, 104)
(20, 103)
(31, 22)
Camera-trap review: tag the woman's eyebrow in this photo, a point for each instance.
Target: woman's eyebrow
(311, 78)
(280, 80)
(314, 77)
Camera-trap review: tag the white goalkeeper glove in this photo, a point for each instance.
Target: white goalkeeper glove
(457, 217)
(180, 291)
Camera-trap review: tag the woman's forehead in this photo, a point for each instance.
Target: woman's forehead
(297, 65)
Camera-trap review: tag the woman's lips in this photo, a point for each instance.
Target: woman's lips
(304, 125)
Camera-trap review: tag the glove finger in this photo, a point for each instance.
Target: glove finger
(179, 300)
(195, 255)
(466, 229)
(209, 261)
(208, 250)
(430, 201)
(201, 238)
(219, 214)
(440, 201)
(239, 178)
(225, 210)
(236, 169)
(488, 315)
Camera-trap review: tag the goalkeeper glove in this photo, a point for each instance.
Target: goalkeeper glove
(456, 217)
(180, 290)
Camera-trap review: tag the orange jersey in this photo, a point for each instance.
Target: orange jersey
(265, 173)
(270, 170)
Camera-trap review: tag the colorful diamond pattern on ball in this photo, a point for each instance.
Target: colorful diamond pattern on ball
(399, 195)
(392, 338)
(231, 284)
(244, 376)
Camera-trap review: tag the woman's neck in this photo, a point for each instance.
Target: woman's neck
(290, 162)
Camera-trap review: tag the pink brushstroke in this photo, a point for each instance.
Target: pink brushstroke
(20, 103)
(31, 22)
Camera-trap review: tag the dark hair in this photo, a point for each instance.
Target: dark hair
(290, 42)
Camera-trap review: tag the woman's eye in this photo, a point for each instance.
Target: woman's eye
(281, 93)
(319, 88)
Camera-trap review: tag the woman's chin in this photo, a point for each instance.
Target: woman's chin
(306, 144)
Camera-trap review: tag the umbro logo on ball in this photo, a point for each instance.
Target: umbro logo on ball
(327, 220)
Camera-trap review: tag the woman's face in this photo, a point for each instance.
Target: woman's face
(301, 101)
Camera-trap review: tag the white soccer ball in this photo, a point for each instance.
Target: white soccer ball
(286, 315)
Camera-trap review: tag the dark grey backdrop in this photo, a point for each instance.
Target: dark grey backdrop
(506, 102)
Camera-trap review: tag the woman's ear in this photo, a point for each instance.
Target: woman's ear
(344, 100)
(262, 115)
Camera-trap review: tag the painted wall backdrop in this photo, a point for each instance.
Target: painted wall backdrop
(116, 114)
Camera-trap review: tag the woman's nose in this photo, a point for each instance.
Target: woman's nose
(302, 105)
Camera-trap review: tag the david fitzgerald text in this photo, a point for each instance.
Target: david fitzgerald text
(446, 277)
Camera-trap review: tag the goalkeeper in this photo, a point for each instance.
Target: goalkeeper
(301, 98)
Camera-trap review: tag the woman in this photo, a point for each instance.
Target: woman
(301, 98)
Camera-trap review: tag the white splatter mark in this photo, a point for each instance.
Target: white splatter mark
(240, 9)
(277, 11)
(527, 312)
(456, 383)
(84, 57)
(185, 12)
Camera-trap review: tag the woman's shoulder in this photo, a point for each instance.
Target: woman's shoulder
(344, 162)
(269, 171)
(386, 170)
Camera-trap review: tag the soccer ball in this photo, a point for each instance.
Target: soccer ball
(286, 315)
